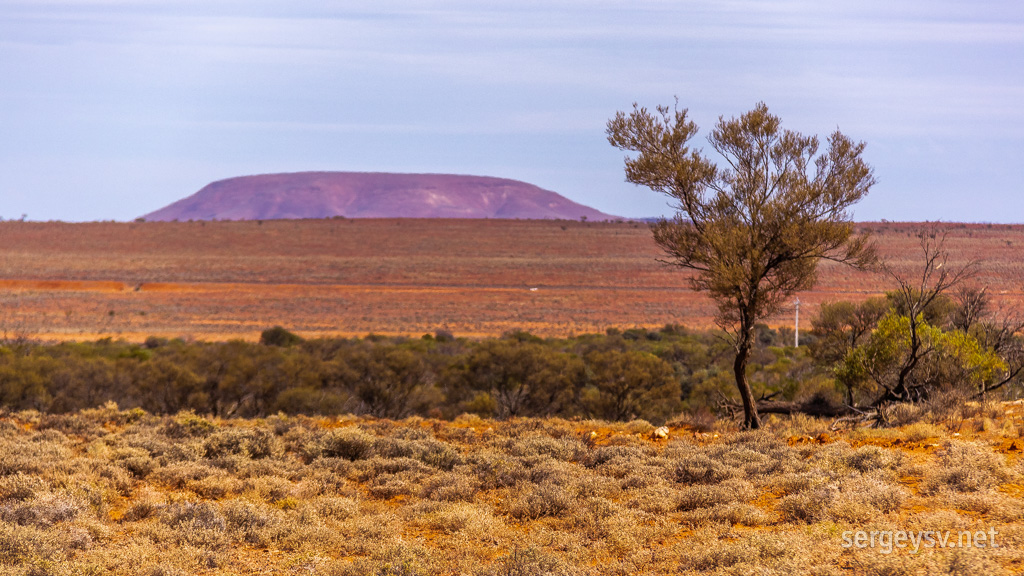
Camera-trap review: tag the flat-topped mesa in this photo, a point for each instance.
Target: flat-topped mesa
(372, 195)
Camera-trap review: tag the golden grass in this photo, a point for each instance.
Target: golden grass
(107, 491)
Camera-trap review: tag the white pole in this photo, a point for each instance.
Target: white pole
(796, 330)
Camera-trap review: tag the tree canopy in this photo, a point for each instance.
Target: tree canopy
(753, 229)
(924, 340)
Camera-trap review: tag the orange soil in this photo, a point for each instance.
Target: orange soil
(62, 286)
(220, 280)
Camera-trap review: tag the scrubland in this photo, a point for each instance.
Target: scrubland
(111, 491)
(464, 456)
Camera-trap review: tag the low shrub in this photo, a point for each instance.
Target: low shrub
(249, 523)
(496, 470)
(965, 467)
(43, 511)
(706, 496)
(731, 513)
(857, 498)
(538, 501)
(348, 443)
(254, 443)
(20, 486)
(188, 425)
(451, 487)
(701, 469)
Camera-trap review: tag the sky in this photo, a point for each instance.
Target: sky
(110, 109)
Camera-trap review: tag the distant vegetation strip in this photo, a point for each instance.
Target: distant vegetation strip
(650, 374)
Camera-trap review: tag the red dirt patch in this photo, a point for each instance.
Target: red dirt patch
(222, 280)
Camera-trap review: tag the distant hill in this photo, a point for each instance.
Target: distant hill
(372, 195)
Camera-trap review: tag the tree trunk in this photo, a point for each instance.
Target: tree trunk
(900, 391)
(750, 418)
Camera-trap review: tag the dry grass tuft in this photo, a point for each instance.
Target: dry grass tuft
(190, 495)
(855, 498)
(966, 467)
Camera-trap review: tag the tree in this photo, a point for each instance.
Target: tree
(917, 295)
(928, 340)
(842, 326)
(279, 336)
(753, 230)
(630, 384)
(999, 332)
(907, 359)
(523, 377)
(391, 381)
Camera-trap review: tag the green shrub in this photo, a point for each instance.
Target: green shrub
(278, 336)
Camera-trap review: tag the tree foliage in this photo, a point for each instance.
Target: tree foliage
(522, 377)
(839, 328)
(927, 340)
(944, 358)
(626, 385)
(754, 229)
(637, 373)
(279, 336)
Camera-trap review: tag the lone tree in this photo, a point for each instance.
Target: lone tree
(755, 228)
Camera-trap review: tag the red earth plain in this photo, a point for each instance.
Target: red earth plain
(217, 280)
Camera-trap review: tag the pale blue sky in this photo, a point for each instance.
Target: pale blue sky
(113, 108)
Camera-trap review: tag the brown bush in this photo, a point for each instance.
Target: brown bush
(538, 501)
(965, 467)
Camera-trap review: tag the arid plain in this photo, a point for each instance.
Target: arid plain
(223, 280)
(111, 490)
